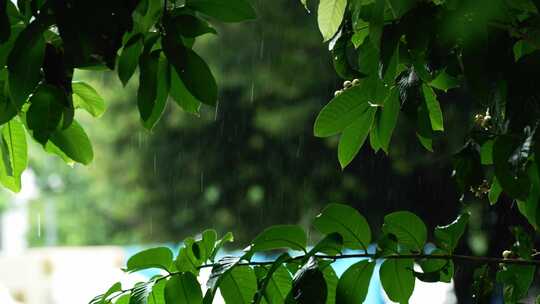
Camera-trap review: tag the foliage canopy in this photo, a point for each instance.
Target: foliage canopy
(399, 59)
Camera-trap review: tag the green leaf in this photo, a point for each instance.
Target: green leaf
(209, 238)
(434, 108)
(24, 63)
(14, 155)
(331, 279)
(87, 98)
(330, 16)
(14, 143)
(443, 81)
(219, 271)
(162, 94)
(191, 26)
(280, 236)
(274, 283)
(160, 257)
(309, 285)
(224, 10)
(436, 270)
(72, 143)
(387, 120)
(5, 26)
(408, 228)
(157, 296)
(192, 69)
(141, 292)
(183, 288)
(494, 191)
(239, 285)
(348, 222)
(447, 237)
(123, 299)
(148, 84)
(512, 179)
(360, 33)
(397, 279)
(331, 244)
(377, 23)
(529, 207)
(341, 111)
(129, 58)
(116, 287)
(354, 135)
(486, 153)
(423, 125)
(182, 96)
(228, 237)
(353, 285)
(516, 280)
(44, 115)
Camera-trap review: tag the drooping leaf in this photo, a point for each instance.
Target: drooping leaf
(424, 131)
(516, 280)
(183, 288)
(341, 112)
(14, 143)
(331, 244)
(129, 58)
(434, 108)
(377, 23)
(224, 10)
(148, 84)
(280, 236)
(191, 26)
(387, 120)
(447, 237)
(157, 296)
(192, 69)
(408, 228)
(354, 283)
(182, 96)
(44, 115)
(141, 292)
(228, 237)
(162, 93)
(309, 285)
(444, 81)
(353, 137)
(239, 285)
(219, 270)
(494, 191)
(274, 282)
(330, 16)
(24, 63)
(331, 279)
(348, 222)
(72, 143)
(87, 98)
(397, 279)
(436, 270)
(5, 26)
(160, 257)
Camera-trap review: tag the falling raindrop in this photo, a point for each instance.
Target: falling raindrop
(216, 112)
(39, 225)
(202, 182)
(252, 97)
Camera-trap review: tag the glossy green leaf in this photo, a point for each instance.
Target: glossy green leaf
(157, 296)
(331, 244)
(162, 93)
(141, 292)
(434, 108)
(14, 143)
(224, 10)
(279, 237)
(219, 271)
(191, 26)
(353, 137)
(516, 280)
(116, 287)
(309, 285)
(397, 279)
(387, 120)
(494, 192)
(192, 69)
(45, 113)
(436, 270)
(341, 112)
(447, 237)
(239, 285)
(331, 279)
(530, 207)
(330, 16)
(377, 23)
(129, 58)
(123, 299)
(227, 238)
(523, 48)
(160, 257)
(182, 96)
(424, 132)
(348, 222)
(444, 81)
(279, 286)
(73, 143)
(24, 63)
(87, 98)
(183, 288)
(408, 228)
(353, 285)
(148, 84)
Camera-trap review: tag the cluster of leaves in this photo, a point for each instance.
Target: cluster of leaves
(411, 55)
(42, 42)
(308, 277)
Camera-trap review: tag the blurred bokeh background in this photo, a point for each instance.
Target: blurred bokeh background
(249, 163)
